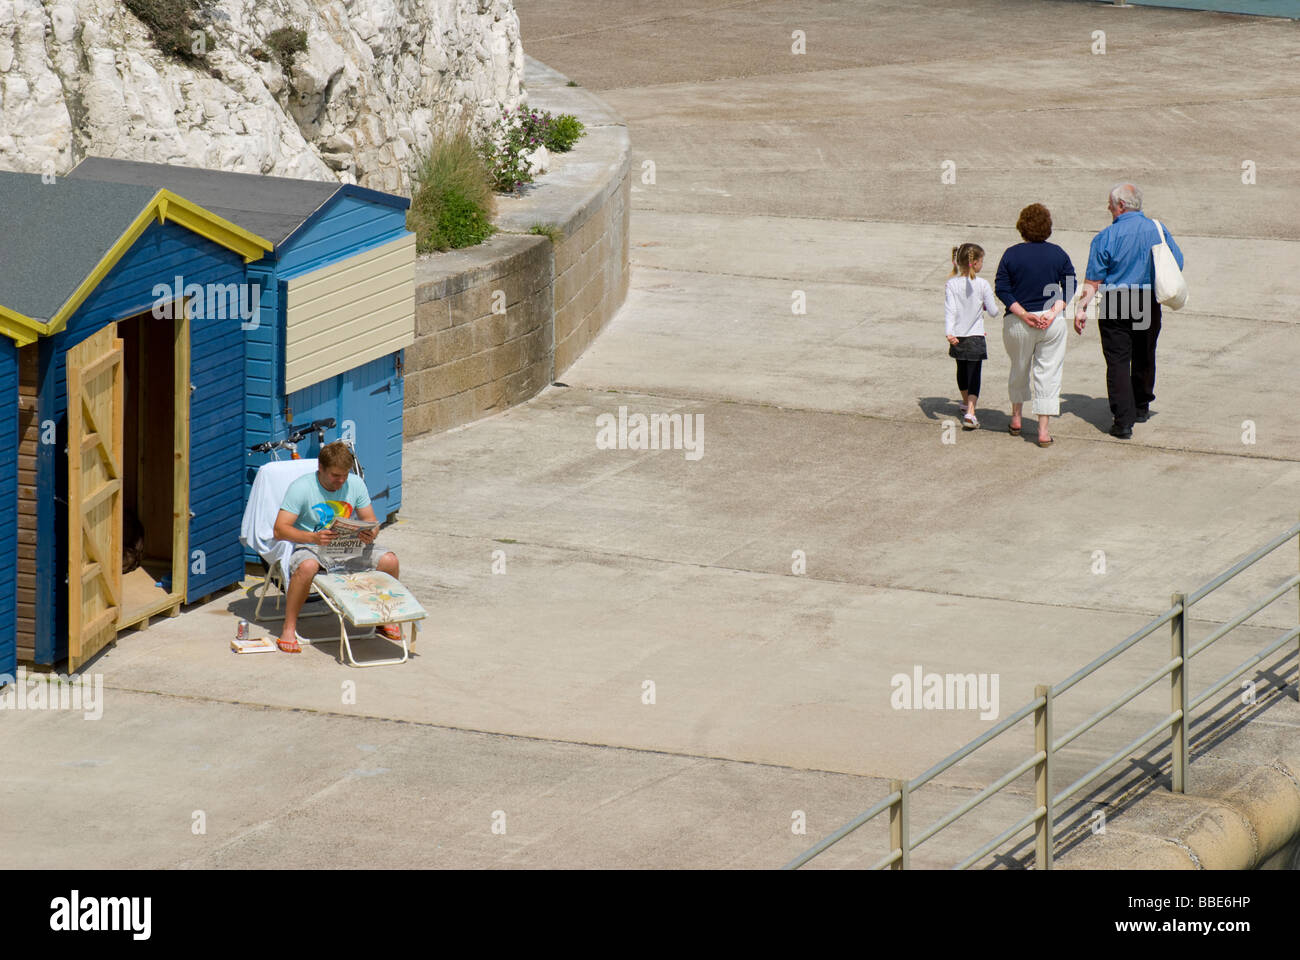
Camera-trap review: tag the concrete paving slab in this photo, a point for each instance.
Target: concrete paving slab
(300, 789)
(622, 44)
(871, 143)
(1229, 277)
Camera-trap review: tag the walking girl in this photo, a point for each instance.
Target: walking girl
(967, 297)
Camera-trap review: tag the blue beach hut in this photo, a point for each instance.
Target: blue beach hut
(120, 404)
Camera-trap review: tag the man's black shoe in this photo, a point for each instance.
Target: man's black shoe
(1143, 414)
(1122, 433)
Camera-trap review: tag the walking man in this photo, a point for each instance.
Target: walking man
(1120, 265)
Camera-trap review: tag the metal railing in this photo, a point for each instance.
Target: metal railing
(897, 803)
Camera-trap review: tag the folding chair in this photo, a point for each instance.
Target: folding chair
(365, 599)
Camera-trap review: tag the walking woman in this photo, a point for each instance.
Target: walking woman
(1032, 280)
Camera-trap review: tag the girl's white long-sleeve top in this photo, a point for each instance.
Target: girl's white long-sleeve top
(964, 303)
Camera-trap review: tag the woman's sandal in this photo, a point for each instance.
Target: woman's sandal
(290, 645)
(1047, 443)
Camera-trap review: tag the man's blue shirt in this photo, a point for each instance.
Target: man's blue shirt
(315, 508)
(1120, 255)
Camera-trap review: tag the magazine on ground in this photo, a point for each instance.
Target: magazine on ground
(260, 645)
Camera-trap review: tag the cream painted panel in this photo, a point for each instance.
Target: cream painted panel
(349, 313)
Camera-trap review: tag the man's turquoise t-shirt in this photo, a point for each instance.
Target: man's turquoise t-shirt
(315, 507)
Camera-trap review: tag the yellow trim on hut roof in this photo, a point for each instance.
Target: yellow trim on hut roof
(19, 328)
(164, 206)
(207, 224)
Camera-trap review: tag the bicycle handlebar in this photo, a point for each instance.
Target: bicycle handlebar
(317, 427)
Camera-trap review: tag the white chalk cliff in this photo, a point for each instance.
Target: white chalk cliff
(378, 78)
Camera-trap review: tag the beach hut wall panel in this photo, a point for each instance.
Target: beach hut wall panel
(263, 359)
(353, 220)
(211, 348)
(374, 391)
(349, 312)
(216, 455)
(8, 506)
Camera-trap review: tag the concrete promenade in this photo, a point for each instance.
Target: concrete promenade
(823, 434)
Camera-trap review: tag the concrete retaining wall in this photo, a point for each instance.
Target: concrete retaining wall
(1242, 816)
(496, 323)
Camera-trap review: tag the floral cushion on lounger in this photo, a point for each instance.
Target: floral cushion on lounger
(370, 598)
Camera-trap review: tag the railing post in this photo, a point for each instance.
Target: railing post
(1043, 779)
(899, 815)
(1178, 692)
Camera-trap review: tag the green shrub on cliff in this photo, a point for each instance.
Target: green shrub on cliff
(564, 131)
(452, 202)
(286, 43)
(174, 26)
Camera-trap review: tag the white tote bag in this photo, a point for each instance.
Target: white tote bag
(1171, 288)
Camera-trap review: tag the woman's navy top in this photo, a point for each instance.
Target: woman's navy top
(1034, 275)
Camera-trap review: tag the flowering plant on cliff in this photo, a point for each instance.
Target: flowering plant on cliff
(504, 153)
(520, 143)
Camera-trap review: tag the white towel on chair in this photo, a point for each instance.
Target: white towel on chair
(258, 529)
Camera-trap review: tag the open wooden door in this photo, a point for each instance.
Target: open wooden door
(95, 405)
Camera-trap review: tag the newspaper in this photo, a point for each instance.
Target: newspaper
(347, 542)
(260, 645)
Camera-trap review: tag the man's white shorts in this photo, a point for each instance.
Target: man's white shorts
(368, 560)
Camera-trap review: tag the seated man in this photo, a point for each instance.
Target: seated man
(303, 519)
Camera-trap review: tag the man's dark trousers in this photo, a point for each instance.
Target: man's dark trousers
(1128, 343)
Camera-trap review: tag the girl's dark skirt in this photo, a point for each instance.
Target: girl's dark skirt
(969, 348)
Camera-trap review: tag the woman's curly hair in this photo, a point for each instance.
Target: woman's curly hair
(1035, 223)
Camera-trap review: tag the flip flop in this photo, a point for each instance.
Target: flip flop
(1014, 431)
(390, 631)
(1047, 443)
(290, 645)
